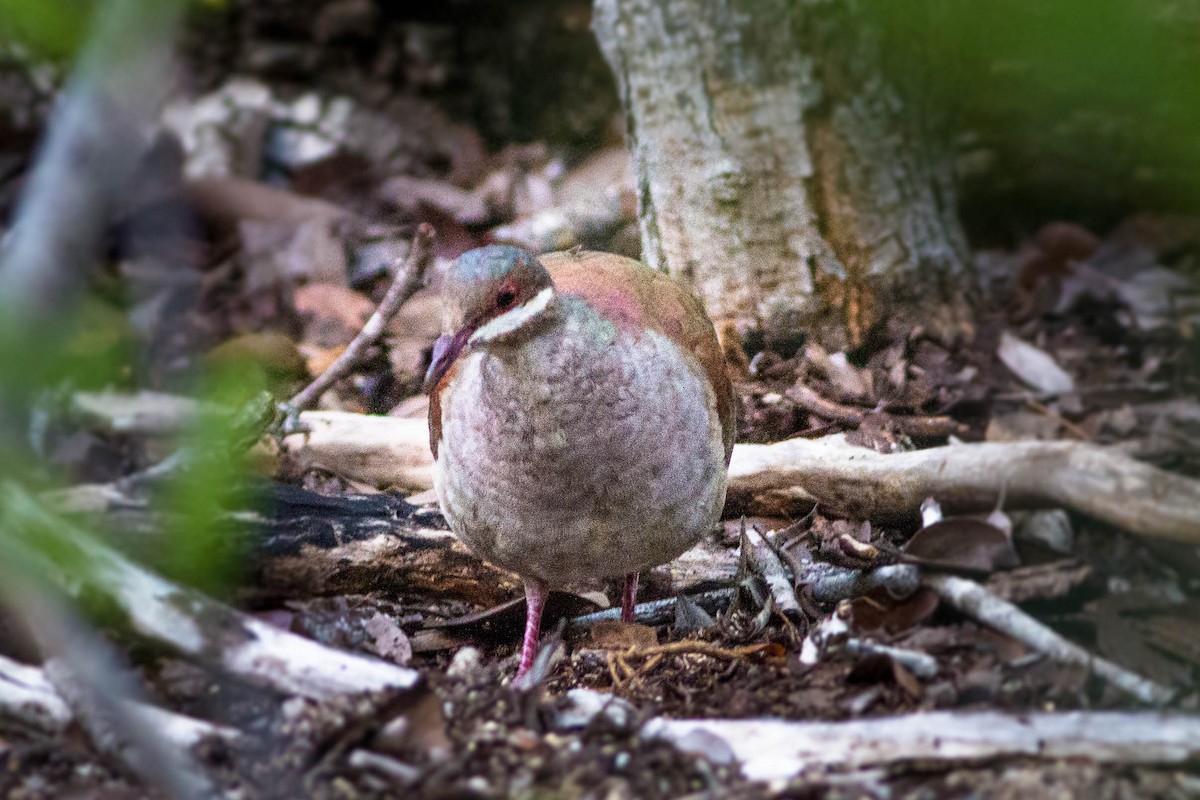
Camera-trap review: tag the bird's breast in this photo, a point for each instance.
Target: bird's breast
(585, 450)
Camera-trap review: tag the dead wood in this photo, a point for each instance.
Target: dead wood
(976, 602)
(28, 698)
(764, 561)
(776, 750)
(862, 484)
(307, 545)
(845, 480)
(185, 621)
(409, 279)
(814, 403)
(386, 452)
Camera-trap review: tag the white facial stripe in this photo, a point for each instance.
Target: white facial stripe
(514, 318)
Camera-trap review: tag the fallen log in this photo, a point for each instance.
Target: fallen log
(296, 544)
(855, 482)
(846, 480)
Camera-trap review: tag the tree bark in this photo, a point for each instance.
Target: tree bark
(779, 171)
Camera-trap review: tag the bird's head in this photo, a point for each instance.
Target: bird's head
(488, 295)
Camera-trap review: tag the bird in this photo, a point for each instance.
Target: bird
(581, 419)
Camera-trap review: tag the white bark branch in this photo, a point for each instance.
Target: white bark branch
(978, 603)
(776, 751)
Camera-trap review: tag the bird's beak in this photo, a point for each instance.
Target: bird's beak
(445, 350)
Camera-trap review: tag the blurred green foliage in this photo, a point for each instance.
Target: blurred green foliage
(80, 337)
(1090, 109)
(52, 28)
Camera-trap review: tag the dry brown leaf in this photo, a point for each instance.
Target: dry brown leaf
(962, 543)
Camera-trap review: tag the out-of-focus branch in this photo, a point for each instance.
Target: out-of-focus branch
(409, 278)
(83, 670)
(186, 621)
(95, 139)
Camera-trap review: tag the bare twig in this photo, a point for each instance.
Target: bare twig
(978, 603)
(1041, 408)
(920, 664)
(814, 403)
(656, 612)
(763, 561)
(409, 279)
(831, 584)
(912, 425)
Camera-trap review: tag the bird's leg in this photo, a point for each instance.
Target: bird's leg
(536, 592)
(629, 597)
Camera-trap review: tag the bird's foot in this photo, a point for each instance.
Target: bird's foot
(629, 597)
(536, 593)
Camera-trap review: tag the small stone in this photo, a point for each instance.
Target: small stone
(466, 663)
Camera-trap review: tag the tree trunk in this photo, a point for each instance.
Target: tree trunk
(779, 171)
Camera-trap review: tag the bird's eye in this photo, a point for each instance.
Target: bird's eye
(505, 299)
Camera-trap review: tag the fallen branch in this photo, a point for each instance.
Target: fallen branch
(84, 671)
(920, 664)
(862, 484)
(27, 697)
(777, 751)
(291, 543)
(409, 279)
(183, 620)
(978, 603)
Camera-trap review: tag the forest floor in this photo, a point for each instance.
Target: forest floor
(285, 202)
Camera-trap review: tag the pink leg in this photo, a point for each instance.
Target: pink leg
(629, 597)
(535, 599)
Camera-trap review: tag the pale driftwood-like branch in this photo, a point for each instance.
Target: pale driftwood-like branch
(849, 480)
(863, 484)
(409, 279)
(187, 621)
(777, 751)
(140, 413)
(386, 452)
(978, 603)
(920, 664)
